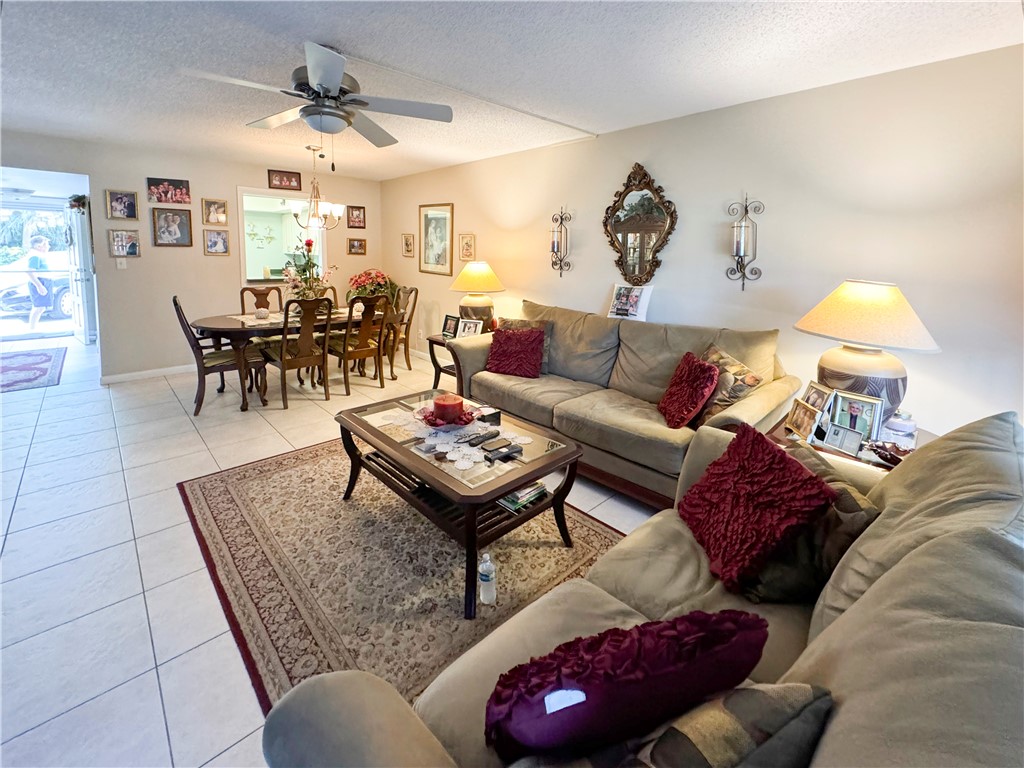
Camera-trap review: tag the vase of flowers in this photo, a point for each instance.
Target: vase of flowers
(371, 282)
(302, 273)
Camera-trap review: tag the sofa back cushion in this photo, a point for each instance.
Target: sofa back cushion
(583, 345)
(650, 352)
(968, 479)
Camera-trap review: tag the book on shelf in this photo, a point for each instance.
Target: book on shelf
(513, 504)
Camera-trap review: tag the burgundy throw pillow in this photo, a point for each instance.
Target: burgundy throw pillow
(516, 352)
(691, 386)
(621, 683)
(749, 501)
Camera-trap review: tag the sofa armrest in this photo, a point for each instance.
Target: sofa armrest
(348, 719)
(470, 356)
(762, 408)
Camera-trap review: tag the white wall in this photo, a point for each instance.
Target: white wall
(138, 329)
(912, 177)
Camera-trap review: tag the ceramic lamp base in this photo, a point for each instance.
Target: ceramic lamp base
(865, 371)
(477, 306)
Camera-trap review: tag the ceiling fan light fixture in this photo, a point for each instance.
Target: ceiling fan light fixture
(326, 119)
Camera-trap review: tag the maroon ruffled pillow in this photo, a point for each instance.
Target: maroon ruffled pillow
(621, 683)
(750, 500)
(691, 386)
(516, 352)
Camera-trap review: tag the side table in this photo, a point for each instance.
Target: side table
(780, 435)
(437, 340)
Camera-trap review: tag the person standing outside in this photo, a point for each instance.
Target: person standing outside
(38, 287)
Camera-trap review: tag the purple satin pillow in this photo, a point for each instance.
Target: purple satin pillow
(621, 683)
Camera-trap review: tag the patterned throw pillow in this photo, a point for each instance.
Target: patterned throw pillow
(594, 691)
(749, 500)
(798, 570)
(513, 324)
(691, 386)
(516, 353)
(735, 381)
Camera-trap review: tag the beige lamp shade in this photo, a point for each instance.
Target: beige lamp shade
(477, 279)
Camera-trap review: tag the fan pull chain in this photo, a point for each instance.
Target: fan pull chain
(332, 153)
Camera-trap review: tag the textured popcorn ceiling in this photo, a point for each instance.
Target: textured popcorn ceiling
(517, 75)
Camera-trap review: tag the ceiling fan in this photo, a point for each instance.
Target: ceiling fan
(335, 100)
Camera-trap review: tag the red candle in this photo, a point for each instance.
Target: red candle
(448, 408)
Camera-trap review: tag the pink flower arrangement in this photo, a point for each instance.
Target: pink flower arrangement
(370, 282)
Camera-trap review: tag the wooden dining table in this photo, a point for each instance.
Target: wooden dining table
(238, 330)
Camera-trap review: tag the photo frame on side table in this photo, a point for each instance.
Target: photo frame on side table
(802, 419)
(436, 238)
(450, 327)
(469, 328)
(817, 395)
(856, 411)
(843, 439)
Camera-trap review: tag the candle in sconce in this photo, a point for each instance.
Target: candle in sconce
(554, 241)
(740, 232)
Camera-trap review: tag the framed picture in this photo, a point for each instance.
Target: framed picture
(284, 180)
(467, 247)
(817, 396)
(174, 191)
(856, 411)
(357, 246)
(802, 418)
(409, 246)
(122, 205)
(469, 328)
(172, 227)
(124, 243)
(843, 439)
(215, 212)
(356, 216)
(215, 242)
(630, 301)
(450, 327)
(436, 238)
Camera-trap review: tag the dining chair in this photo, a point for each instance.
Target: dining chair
(363, 337)
(210, 358)
(405, 308)
(261, 297)
(298, 349)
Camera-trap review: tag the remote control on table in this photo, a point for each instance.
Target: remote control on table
(483, 438)
(503, 454)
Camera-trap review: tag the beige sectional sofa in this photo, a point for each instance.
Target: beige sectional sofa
(603, 382)
(918, 634)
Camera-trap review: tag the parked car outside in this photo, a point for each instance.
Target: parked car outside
(14, 296)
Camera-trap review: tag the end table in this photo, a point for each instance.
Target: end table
(437, 340)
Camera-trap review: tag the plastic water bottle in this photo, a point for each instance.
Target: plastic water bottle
(485, 575)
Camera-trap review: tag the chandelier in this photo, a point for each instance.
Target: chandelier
(320, 214)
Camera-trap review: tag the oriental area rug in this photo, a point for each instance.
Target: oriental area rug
(31, 369)
(314, 584)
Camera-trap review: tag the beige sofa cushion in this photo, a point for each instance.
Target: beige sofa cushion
(661, 571)
(583, 345)
(925, 667)
(626, 426)
(531, 399)
(650, 352)
(453, 705)
(969, 478)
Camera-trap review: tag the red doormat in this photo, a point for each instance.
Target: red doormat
(31, 368)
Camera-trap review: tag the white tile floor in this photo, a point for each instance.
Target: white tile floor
(115, 651)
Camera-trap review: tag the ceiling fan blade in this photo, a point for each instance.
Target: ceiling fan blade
(230, 80)
(440, 112)
(372, 132)
(276, 121)
(325, 69)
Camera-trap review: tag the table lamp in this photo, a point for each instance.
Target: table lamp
(867, 317)
(477, 279)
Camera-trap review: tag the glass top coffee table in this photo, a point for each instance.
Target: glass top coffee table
(448, 481)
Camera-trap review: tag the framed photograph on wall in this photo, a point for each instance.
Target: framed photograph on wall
(356, 216)
(450, 327)
(124, 243)
(215, 242)
(122, 205)
(215, 212)
(172, 227)
(856, 411)
(175, 191)
(469, 328)
(802, 419)
(843, 439)
(467, 247)
(284, 180)
(436, 238)
(409, 246)
(357, 246)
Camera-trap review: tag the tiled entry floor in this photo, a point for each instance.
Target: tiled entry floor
(115, 651)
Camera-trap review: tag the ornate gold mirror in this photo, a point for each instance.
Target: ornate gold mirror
(638, 224)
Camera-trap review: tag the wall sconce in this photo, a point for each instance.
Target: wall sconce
(744, 242)
(560, 242)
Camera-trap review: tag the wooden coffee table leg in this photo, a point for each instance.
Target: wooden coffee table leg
(469, 514)
(355, 459)
(559, 502)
